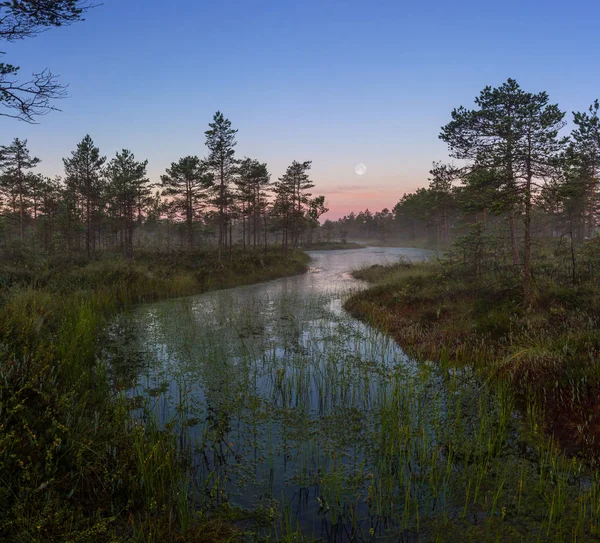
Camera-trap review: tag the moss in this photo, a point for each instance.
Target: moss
(549, 351)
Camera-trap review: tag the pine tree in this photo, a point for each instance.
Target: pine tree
(296, 182)
(15, 160)
(442, 196)
(586, 144)
(127, 185)
(414, 212)
(282, 210)
(20, 19)
(186, 184)
(316, 208)
(514, 133)
(220, 140)
(252, 182)
(480, 192)
(84, 175)
(51, 196)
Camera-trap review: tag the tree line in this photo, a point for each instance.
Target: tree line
(102, 204)
(518, 178)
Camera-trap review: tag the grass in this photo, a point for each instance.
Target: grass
(74, 465)
(418, 243)
(270, 415)
(382, 272)
(550, 350)
(301, 412)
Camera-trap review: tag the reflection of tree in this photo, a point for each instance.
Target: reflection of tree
(216, 452)
(288, 322)
(222, 345)
(123, 352)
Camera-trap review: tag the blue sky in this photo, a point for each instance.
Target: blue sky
(334, 82)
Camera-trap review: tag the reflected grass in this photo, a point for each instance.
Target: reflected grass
(289, 406)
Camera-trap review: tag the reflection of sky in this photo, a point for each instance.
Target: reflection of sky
(301, 313)
(282, 365)
(333, 82)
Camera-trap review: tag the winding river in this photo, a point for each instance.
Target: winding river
(288, 406)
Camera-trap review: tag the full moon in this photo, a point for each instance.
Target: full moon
(360, 169)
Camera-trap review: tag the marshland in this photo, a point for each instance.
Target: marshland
(206, 333)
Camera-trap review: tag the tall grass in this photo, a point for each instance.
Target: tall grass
(328, 430)
(74, 465)
(543, 356)
(281, 413)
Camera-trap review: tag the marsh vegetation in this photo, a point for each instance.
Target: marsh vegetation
(74, 465)
(174, 368)
(300, 424)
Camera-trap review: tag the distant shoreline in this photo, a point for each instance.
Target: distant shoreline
(332, 246)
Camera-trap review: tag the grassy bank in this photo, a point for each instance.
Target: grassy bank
(73, 464)
(547, 352)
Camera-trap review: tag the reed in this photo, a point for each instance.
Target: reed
(75, 465)
(353, 439)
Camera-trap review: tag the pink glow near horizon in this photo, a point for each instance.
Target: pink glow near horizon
(341, 202)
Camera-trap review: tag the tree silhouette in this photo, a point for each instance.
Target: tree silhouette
(21, 19)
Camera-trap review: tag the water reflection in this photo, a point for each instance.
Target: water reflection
(285, 399)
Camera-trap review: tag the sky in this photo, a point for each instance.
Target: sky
(336, 82)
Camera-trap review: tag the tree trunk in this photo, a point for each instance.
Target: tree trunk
(244, 225)
(591, 220)
(88, 231)
(222, 231)
(573, 261)
(265, 230)
(256, 204)
(21, 232)
(513, 237)
(527, 277)
(445, 224)
(189, 215)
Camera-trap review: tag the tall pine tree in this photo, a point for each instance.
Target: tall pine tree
(15, 161)
(83, 171)
(127, 181)
(220, 140)
(186, 184)
(514, 133)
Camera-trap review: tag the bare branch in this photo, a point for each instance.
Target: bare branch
(31, 99)
(20, 19)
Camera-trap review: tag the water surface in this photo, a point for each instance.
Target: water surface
(291, 407)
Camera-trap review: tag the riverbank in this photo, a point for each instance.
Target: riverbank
(73, 465)
(305, 417)
(549, 353)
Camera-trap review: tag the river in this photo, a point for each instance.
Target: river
(288, 406)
